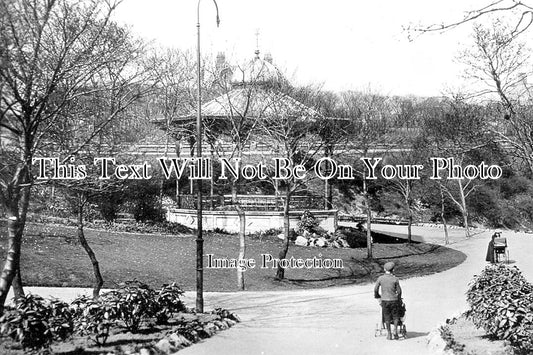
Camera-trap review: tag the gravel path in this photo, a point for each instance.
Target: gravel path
(342, 320)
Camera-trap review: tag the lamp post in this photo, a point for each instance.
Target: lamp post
(199, 236)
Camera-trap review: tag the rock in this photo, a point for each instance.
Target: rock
(436, 344)
(321, 242)
(281, 236)
(164, 345)
(221, 324)
(210, 329)
(144, 351)
(230, 322)
(344, 243)
(207, 317)
(301, 241)
(340, 236)
(179, 340)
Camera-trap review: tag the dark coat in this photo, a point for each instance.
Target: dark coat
(490, 252)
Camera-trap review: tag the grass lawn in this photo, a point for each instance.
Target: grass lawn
(51, 256)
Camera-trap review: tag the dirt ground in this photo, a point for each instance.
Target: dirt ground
(475, 340)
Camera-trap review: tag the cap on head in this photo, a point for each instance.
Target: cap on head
(389, 266)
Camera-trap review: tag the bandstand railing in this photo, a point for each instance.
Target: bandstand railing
(253, 202)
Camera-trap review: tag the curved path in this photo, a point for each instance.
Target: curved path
(342, 320)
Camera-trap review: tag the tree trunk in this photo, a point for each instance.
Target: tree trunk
(465, 222)
(178, 196)
(368, 221)
(99, 281)
(18, 289)
(446, 239)
(408, 203)
(16, 212)
(409, 227)
(328, 192)
(234, 192)
(280, 273)
(464, 209)
(328, 195)
(11, 264)
(212, 185)
(276, 194)
(242, 246)
(161, 186)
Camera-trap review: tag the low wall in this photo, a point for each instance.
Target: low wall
(255, 220)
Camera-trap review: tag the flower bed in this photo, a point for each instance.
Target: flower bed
(133, 319)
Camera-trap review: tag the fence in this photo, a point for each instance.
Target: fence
(253, 202)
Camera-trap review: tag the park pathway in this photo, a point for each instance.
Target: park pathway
(342, 320)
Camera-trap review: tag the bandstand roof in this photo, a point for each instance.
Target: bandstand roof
(256, 102)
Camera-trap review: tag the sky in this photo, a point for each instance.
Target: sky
(340, 44)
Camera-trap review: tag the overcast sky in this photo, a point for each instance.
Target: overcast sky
(341, 43)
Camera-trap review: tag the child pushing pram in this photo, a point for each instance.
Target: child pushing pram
(402, 329)
(389, 293)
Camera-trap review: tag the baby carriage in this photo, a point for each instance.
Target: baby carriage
(402, 330)
(501, 253)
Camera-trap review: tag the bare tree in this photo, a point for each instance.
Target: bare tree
(370, 122)
(521, 13)
(51, 53)
(456, 129)
(173, 98)
(502, 63)
(79, 194)
(290, 129)
(332, 129)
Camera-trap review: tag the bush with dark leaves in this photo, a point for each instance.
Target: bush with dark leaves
(168, 302)
(35, 323)
(501, 302)
(93, 318)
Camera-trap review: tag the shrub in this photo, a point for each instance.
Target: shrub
(271, 232)
(35, 323)
(130, 303)
(501, 302)
(93, 318)
(307, 222)
(168, 302)
(135, 301)
(354, 237)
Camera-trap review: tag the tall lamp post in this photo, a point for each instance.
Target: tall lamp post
(199, 237)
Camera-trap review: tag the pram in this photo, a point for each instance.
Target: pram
(381, 329)
(501, 253)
